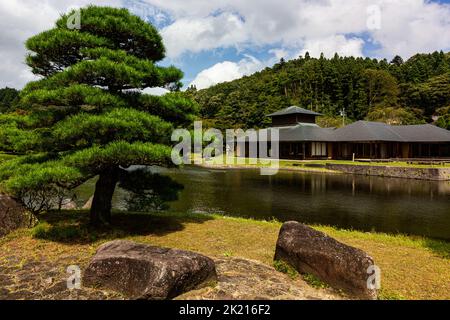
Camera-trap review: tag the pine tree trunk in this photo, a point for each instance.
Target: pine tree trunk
(101, 204)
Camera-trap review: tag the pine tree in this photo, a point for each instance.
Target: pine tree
(85, 117)
(398, 61)
(8, 99)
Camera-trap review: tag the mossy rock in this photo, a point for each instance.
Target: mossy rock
(13, 215)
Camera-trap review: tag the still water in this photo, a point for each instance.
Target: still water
(359, 202)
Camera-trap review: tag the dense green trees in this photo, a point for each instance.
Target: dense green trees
(381, 88)
(393, 116)
(8, 99)
(397, 92)
(85, 118)
(444, 117)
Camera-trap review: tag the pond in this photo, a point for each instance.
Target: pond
(358, 202)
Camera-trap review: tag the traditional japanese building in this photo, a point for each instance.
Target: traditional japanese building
(301, 138)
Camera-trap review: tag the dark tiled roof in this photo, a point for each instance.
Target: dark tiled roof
(422, 133)
(293, 110)
(364, 131)
(377, 131)
(367, 131)
(306, 132)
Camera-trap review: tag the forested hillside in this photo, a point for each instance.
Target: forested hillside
(395, 92)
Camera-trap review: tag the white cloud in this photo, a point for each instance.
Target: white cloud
(20, 20)
(227, 71)
(195, 35)
(334, 44)
(407, 26)
(157, 91)
(279, 53)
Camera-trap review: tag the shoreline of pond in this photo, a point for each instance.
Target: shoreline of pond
(399, 172)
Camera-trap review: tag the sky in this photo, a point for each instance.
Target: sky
(214, 41)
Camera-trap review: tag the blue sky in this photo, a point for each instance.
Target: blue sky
(220, 40)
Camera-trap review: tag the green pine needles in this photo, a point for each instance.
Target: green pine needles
(87, 117)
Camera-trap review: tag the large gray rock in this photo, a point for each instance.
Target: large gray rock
(339, 265)
(243, 279)
(13, 215)
(146, 272)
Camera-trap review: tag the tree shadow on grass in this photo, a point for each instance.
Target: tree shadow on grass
(439, 247)
(72, 227)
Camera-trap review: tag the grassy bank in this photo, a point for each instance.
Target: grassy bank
(312, 163)
(309, 165)
(402, 164)
(412, 267)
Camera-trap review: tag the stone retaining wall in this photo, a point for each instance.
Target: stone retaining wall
(437, 174)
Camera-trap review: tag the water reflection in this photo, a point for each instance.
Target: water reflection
(359, 202)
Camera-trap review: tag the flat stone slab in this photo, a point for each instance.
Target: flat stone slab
(141, 271)
(243, 279)
(313, 252)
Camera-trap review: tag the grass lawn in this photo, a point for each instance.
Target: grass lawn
(4, 157)
(412, 267)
